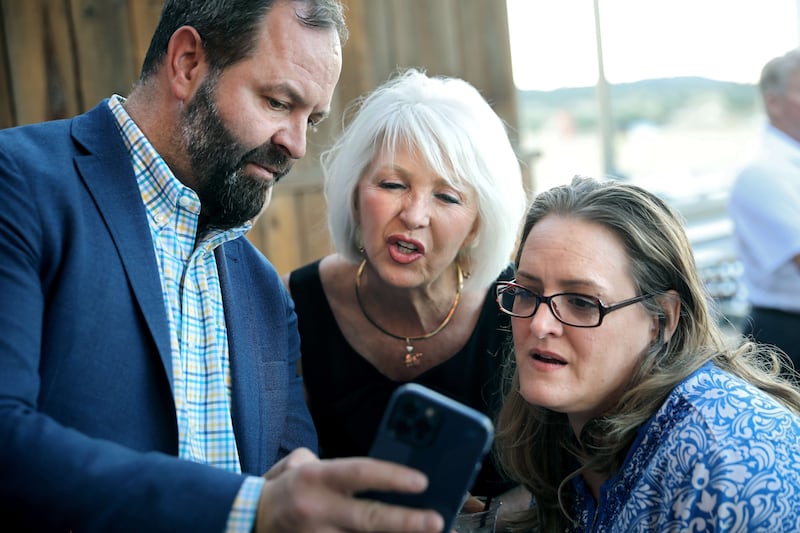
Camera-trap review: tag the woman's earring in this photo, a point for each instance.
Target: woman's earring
(461, 260)
(358, 241)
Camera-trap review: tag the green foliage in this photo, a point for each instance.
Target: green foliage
(657, 101)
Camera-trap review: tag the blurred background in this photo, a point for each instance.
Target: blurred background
(659, 93)
(663, 94)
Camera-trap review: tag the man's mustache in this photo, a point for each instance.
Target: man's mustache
(271, 157)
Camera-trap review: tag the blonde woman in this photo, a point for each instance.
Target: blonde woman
(424, 198)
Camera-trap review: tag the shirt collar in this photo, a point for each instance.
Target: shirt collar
(777, 142)
(162, 192)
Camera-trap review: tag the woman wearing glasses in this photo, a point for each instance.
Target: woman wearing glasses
(628, 409)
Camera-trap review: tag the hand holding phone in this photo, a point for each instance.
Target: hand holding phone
(438, 436)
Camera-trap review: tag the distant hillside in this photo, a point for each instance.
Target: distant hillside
(658, 101)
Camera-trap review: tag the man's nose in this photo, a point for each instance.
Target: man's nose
(291, 137)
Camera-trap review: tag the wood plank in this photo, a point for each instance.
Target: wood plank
(282, 233)
(41, 66)
(366, 58)
(357, 54)
(463, 38)
(25, 42)
(484, 39)
(7, 118)
(63, 93)
(293, 230)
(316, 240)
(453, 58)
(144, 16)
(103, 49)
(382, 58)
(422, 36)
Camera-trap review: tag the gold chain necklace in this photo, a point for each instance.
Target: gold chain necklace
(412, 358)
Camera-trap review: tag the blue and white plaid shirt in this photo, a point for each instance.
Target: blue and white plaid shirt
(193, 299)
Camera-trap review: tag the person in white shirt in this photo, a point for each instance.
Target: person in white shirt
(765, 208)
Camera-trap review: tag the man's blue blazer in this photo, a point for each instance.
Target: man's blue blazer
(88, 432)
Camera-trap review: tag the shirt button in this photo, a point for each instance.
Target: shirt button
(161, 219)
(185, 201)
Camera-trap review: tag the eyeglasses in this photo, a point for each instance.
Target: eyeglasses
(572, 309)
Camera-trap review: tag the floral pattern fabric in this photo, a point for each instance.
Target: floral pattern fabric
(719, 455)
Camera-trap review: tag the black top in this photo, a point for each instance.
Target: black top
(347, 395)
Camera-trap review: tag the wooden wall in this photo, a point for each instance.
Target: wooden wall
(60, 57)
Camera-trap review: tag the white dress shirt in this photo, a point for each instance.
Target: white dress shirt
(765, 208)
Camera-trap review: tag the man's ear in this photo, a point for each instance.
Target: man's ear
(185, 62)
(670, 303)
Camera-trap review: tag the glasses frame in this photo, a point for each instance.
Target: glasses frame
(502, 286)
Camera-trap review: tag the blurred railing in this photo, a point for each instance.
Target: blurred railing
(710, 231)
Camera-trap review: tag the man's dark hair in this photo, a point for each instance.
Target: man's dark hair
(228, 27)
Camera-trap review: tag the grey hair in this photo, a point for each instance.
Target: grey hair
(458, 135)
(776, 73)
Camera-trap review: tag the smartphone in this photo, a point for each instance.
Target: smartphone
(439, 436)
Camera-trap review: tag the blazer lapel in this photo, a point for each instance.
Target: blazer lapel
(107, 172)
(248, 402)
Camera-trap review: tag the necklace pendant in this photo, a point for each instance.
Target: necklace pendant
(412, 359)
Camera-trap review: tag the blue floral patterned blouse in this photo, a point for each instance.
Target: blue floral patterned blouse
(719, 455)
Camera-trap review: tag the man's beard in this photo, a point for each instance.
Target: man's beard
(229, 196)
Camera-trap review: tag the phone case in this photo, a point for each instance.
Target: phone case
(438, 436)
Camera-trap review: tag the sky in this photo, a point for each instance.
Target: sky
(553, 41)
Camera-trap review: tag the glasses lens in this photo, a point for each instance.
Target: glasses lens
(576, 309)
(517, 301)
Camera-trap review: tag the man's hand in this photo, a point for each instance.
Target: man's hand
(305, 494)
